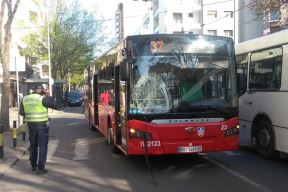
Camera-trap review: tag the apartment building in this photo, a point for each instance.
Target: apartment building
(211, 17)
(129, 16)
(251, 26)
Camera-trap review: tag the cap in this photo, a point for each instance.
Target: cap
(37, 87)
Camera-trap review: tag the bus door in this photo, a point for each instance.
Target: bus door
(95, 100)
(119, 109)
(123, 112)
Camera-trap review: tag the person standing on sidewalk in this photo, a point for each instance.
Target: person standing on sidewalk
(34, 109)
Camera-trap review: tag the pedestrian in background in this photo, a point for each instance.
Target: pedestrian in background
(34, 109)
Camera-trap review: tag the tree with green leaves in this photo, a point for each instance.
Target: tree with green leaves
(5, 43)
(76, 36)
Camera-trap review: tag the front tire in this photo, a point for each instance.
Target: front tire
(265, 140)
(110, 141)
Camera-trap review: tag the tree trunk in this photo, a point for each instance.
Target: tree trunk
(6, 79)
(5, 56)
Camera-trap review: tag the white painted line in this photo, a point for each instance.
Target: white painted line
(238, 175)
(81, 149)
(52, 146)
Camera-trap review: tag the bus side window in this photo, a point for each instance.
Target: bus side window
(266, 69)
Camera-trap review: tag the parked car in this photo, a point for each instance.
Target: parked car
(74, 98)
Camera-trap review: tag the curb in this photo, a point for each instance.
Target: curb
(11, 156)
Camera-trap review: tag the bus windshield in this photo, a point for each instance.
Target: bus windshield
(175, 79)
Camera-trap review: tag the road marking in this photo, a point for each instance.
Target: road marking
(52, 146)
(91, 141)
(81, 149)
(238, 175)
(70, 123)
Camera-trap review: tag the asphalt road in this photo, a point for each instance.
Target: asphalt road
(80, 160)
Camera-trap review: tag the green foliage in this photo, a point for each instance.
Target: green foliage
(76, 36)
(77, 79)
(33, 16)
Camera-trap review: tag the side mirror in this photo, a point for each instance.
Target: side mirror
(241, 83)
(124, 71)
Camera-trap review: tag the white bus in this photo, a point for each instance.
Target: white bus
(262, 74)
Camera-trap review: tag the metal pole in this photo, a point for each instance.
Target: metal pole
(201, 18)
(18, 99)
(14, 134)
(234, 21)
(49, 56)
(121, 21)
(69, 86)
(1, 142)
(24, 127)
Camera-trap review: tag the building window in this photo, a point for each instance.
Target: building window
(228, 33)
(177, 17)
(190, 15)
(212, 32)
(229, 14)
(156, 22)
(45, 70)
(212, 14)
(266, 69)
(274, 16)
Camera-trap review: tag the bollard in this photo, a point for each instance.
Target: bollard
(14, 134)
(24, 127)
(1, 141)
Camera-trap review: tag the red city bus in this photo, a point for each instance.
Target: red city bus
(166, 94)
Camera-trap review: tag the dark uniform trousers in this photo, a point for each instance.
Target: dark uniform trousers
(38, 136)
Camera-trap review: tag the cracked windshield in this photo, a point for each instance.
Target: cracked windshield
(169, 76)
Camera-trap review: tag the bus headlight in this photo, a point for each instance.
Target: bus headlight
(137, 134)
(232, 131)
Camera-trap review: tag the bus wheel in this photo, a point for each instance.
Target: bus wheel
(265, 140)
(110, 142)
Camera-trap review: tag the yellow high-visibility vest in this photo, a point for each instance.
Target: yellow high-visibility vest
(34, 109)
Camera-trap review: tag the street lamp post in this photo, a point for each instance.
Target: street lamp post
(49, 56)
(17, 91)
(49, 63)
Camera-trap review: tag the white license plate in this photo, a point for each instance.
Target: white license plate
(192, 149)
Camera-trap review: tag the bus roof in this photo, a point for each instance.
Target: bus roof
(263, 42)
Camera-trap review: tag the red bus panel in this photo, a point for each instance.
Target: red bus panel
(183, 137)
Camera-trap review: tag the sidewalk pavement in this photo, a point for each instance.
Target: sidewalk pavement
(11, 155)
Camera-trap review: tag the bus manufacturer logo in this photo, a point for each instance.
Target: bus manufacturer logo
(200, 131)
(188, 129)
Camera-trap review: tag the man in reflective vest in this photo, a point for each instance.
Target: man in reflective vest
(34, 108)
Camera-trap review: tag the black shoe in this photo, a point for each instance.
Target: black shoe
(34, 169)
(42, 171)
